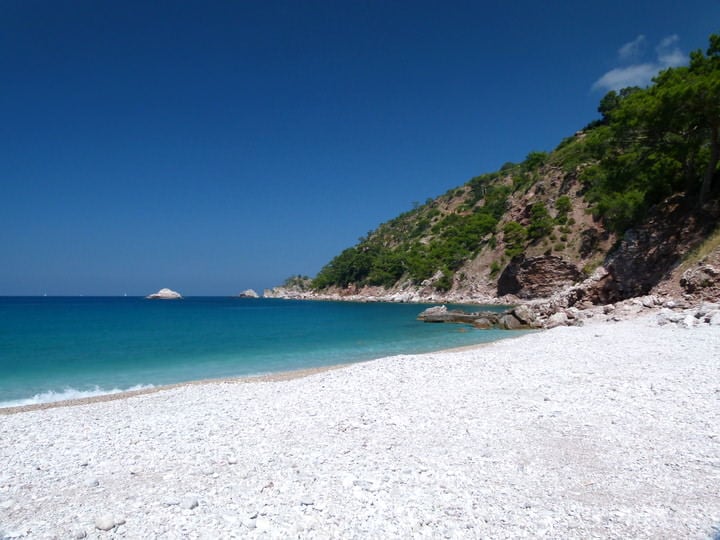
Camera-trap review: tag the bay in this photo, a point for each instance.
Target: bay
(54, 348)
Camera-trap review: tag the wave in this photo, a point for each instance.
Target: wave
(52, 396)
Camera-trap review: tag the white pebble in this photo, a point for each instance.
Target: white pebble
(105, 522)
(189, 502)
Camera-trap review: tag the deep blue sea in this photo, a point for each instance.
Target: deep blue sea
(54, 348)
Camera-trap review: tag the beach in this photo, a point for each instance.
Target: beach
(607, 430)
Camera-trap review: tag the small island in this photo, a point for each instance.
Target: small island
(164, 294)
(248, 293)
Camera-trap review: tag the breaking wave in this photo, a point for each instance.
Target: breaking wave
(69, 393)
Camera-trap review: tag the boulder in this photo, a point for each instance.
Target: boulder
(557, 319)
(701, 277)
(508, 321)
(164, 294)
(524, 314)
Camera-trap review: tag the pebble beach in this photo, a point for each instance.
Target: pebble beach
(607, 430)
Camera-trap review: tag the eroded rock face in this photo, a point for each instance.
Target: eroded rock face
(646, 255)
(537, 277)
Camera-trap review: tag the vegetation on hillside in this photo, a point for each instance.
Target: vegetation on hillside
(648, 144)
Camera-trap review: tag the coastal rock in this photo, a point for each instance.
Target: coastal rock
(537, 277)
(483, 320)
(248, 293)
(557, 319)
(702, 277)
(164, 294)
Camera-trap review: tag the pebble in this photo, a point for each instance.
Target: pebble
(92, 482)
(105, 522)
(189, 502)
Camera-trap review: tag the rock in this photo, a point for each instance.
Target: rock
(508, 321)
(248, 293)
(649, 301)
(80, 534)
(667, 316)
(557, 319)
(524, 314)
(164, 294)
(482, 323)
(92, 482)
(701, 277)
(189, 502)
(537, 277)
(105, 522)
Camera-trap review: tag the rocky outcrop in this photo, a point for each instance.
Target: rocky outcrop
(164, 294)
(519, 318)
(647, 254)
(248, 293)
(703, 278)
(537, 277)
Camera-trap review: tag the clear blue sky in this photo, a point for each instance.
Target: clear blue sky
(214, 146)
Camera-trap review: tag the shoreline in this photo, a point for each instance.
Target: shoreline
(248, 379)
(125, 394)
(605, 430)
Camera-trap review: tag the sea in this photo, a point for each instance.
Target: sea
(57, 348)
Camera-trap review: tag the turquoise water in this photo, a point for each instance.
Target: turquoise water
(60, 348)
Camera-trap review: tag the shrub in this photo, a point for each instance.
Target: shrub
(540, 221)
(515, 237)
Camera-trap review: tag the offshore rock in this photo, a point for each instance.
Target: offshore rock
(248, 293)
(164, 294)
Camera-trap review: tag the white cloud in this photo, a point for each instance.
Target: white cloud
(632, 50)
(637, 73)
(669, 54)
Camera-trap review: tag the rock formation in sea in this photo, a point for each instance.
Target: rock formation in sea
(164, 294)
(248, 293)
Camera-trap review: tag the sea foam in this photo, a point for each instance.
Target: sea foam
(52, 396)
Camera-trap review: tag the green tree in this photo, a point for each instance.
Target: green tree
(541, 224)
(515, 237)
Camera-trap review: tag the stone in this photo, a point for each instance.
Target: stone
(648, 301)
(80, 534)
(92, 482)
(189, 502)
(701, 277)
(524, 314)
(105, 522)
(557, 319)
(510, 322)
(164, 294)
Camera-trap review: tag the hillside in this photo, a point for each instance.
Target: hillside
(632, 195)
